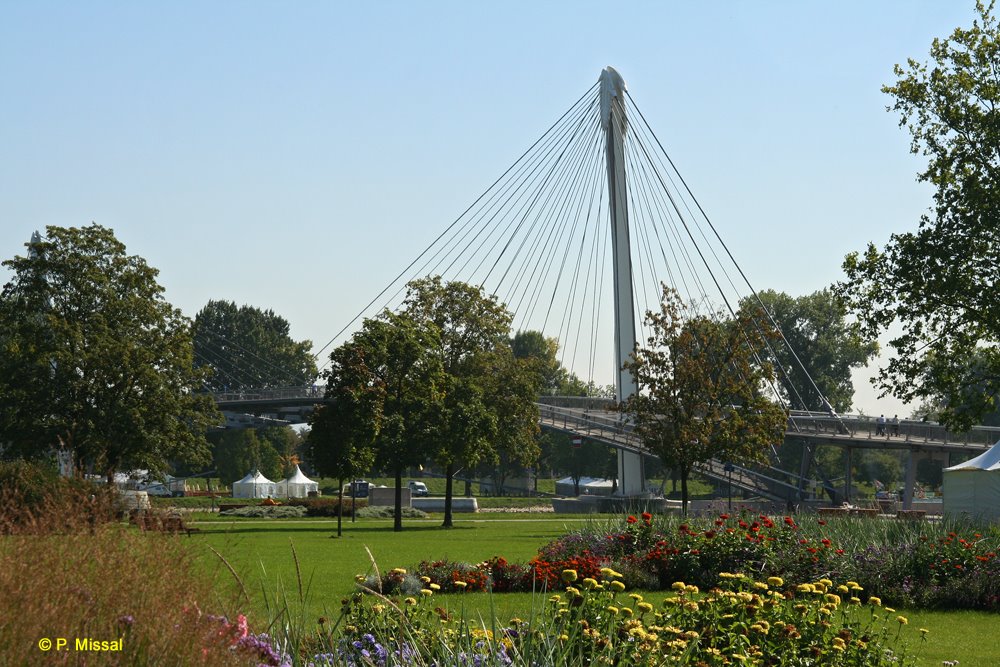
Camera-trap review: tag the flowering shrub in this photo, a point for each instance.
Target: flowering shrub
(739, 621)
(904, 562)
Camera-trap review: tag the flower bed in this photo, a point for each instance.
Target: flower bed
(905, 563)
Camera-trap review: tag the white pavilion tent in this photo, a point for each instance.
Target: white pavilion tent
(297, 486)
(254, 485)
(973, 487)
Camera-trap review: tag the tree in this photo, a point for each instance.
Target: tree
(387, 385)
(489, 397)
(249, 348)
(700, 390)
(827, 346)
(94, 361)
(938, 284)
(240, 451)
(340, 445)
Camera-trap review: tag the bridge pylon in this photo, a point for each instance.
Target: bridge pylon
(631, 472)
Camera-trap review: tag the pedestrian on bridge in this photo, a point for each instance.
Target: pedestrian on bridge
(880, 425)
(895, 425)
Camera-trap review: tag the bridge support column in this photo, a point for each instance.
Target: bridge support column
(631, 474)
(847, 476)
(911, 480)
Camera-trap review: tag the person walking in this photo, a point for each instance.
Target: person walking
(895, 425)
(880, 425)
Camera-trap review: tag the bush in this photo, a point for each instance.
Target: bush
(388, 512)
(36, 499)
(268, 512)
(326, 507)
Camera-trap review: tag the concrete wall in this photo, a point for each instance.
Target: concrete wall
(437, 504)
(387, 496)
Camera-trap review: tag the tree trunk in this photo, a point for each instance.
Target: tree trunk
(340, 506)
(684, 491)
(449, 478)
(397, 519)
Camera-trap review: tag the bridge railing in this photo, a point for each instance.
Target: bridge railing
(908, 431)
(269, 394)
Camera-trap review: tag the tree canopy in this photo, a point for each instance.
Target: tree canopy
(487, 408)
(94, 361)
(247, 347)
(700, 390)
(827, 345)
(938, 285)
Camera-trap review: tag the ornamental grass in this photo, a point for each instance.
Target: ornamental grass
(70, 572)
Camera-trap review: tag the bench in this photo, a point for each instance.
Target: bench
(911, 515)
(170, 523)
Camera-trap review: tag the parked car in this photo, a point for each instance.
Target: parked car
(417, 489)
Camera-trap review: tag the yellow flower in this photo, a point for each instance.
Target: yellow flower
(461, 584)
(426, 592)
(425, 579)
(627, 611)
(760, 585)
(613, 611)
(617, 586)
(854, 586)
(569, 576)
(691, 606)
(563, 637)
(691, 589)
(378, 608)
(399, 570)
(777, 582)
(902, 620)
(555, 598)
(832, 598)
(410, 601)
(843, 589)
(804, 588)
(838, 644)
(826, 582)
(360, 578)
(635, 596)
(874, 601)
(678, 586)
(923, 632)
(590, 583)
(435, 587)
(855, 600)
(645, 607)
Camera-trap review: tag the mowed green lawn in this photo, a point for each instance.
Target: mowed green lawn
(261, 553)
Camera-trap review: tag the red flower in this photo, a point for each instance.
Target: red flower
(647, 517)
(631, 519)
(840, 552)
(723, 516)
(821, 522)
(709, 534)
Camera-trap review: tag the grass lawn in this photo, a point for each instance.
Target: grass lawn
(261, 553)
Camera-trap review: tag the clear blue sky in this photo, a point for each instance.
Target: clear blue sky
(296, 156)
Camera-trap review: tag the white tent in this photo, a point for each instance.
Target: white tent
(973, 487)
(254, 485)
(297, 486)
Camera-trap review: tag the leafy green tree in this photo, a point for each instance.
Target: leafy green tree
(240, 451)
(938, 285)
(387, 383)
(250, 348)
(94, 361)
(590, 459)
(339, 444)
(700, 390)
(541, 353)
(827, 347)
(488, 400)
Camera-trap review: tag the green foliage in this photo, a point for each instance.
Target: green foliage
(267, 512)
(699, 392)
(827, 347)
(249, 348)
(386, 512)
(487, 411)
(240, 451)
(94, 361)
(938, 284)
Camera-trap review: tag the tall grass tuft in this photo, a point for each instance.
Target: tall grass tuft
(70, 571)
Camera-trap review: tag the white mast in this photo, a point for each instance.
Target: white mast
(631, 476)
